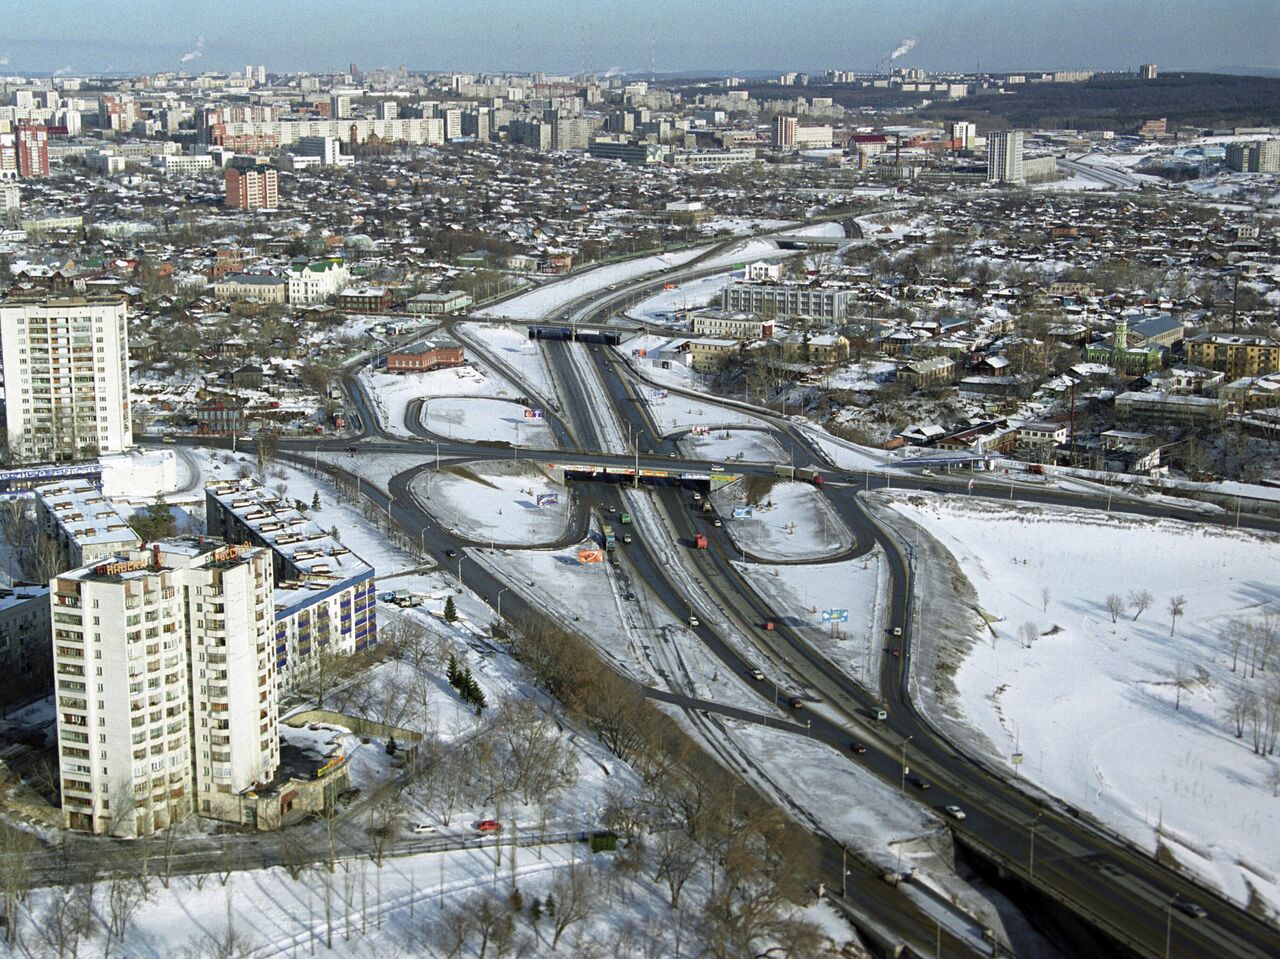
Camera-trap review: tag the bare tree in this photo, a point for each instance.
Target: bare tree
(1177, 606)
(383, 811)
(68, 920)
(1028, 633)
(1115, 605)
(125, 896)
(1238, 706)
(1140, 600)
(542, 761)
(16, 847)
(1232, 634)
(676, 859)
(494, 924)
(1181, 683)
(1045, 596)
(574, 892)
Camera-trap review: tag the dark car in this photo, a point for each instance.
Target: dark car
(451, 553)
(918, 782)
(795, 702)
(1194, 910)
(858, 748)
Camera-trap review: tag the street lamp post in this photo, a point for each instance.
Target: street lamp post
(500, 592)
(1168, 924)
(422, 541)
(437, 446)
(903, 789)
(460, 559)
(1031, 855)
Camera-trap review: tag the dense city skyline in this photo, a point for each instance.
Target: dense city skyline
(711, 35)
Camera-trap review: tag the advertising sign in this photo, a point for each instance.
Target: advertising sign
(533, 414)
(590, 556)
(548, 499)
(835, 616)
(743, 512)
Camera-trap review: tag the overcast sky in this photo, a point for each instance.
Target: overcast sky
(675, 35)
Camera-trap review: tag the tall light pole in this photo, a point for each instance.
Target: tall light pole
(460, 559)
(903, 789)
(437, 446)
(1168, 924)
(500, 592)
(1031, 855)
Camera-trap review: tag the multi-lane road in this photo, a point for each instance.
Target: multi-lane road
(1111, 885)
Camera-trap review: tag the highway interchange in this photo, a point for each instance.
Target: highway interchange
(1105, 882)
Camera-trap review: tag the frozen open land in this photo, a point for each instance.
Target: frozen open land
(792, 521)
(1131, 720)
(496, 502)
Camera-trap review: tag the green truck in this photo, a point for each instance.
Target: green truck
(625, 519)
(609, 541)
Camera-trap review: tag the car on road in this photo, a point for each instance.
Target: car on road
(757, 675)
(693, 622)
(697, 497)
(612, 510)
(895, 652)
(1192, 909)
(717, 523)
(858, 747)
(1110, 869)
(168, 439)
(918, 782)
(351, 449)
(955, 812)
(451, 553)
(424, 828)
(671, 456)
(488, 825)
(631, 596)
(926, 472)
(717, 468)
(897, 630)
(795, 702)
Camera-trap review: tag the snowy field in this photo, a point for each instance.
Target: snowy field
(688, 295)
(478, 419)
(860, 375)
(551, 296)
(495, 502)
(750, 446)
(514, 349)
(794, 522)
(740, 225)
(830, 230)
(1131, 720)
(391, 394)
(797, 595)
(672, 413)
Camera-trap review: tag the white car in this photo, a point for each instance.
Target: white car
(693, 622)
(955, 812)
(897, 630)
(424, 827)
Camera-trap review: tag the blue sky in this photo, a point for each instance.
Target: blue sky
(557, 35)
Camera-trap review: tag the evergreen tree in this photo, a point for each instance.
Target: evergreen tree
(315, 502)
(450, 611)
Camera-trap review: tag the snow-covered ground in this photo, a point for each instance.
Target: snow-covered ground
(739, 225)
(793, 521)
(829, 230)
(860, 375)
(495, 502)
(479, 418)
(514, 348)
(751, 446)
(551, 296)
(1094, 706)
(672, 413)
(687, 295)
(391, 394)
(798, 595)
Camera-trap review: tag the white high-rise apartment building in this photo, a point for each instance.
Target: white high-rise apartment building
(66, 374)
(166, 685)
(963, 133)
(1004, 157)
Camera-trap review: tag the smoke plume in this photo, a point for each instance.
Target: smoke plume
(903, 48)
(195, 54)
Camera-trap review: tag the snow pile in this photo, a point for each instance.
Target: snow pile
(1129, 720)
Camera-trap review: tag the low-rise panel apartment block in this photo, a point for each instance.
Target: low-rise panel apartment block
(82, 524)
(26, 661)
(787, 299)
(325, 598)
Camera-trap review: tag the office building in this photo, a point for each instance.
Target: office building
(251, 185)
(325, 596)
(166, 685)
(787, 299)
(1148, 71)
(315, 282)
(784, 132)
(66, 373)
(1004, 157)
(339, 106)
(33, 149)
(962, 135)
(637, 154)
(327, 149)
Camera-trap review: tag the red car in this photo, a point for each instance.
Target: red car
(489, 825)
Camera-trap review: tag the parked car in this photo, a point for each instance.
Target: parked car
(424, 827)
(168, 439)
(489, 825)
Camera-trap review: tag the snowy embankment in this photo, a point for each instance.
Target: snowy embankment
(1114, 654)
(685, 295)
(798, 595)
(514, 349)
(496, 502)
(551, 296)
(391, 394)
(480, 419)
(750, 446)
(791, 522)
(673, 413)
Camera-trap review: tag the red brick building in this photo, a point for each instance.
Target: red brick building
(365, 299)
(437, 359)
(33, 149)
(252, 186)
